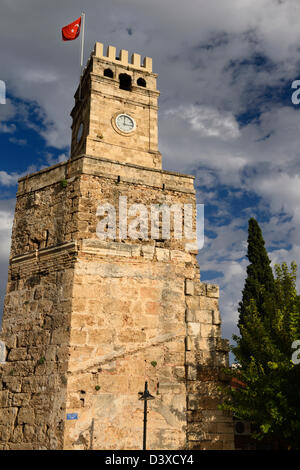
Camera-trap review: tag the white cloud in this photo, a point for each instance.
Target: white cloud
(9, 179)
(7, 128)
(7, 112)
(207, 121)
(6, 220)
(21, 142)
(52, 160)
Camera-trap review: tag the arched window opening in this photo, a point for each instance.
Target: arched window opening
(108, 73)
(141, 82)
(125, 81)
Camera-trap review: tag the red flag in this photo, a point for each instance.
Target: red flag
(71, 31)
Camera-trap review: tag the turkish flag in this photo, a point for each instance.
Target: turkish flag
(71, 31)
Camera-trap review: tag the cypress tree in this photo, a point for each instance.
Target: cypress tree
(270, 376)
(259, 284)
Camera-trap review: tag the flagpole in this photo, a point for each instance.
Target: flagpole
(81, 51)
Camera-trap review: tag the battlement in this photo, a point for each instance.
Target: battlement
(123, 57)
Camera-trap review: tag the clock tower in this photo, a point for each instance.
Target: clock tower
(90, 315)
(115, 112)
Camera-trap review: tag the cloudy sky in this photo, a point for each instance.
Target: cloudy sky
(225, 73)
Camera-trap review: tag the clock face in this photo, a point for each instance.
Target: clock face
(79, 133)
(125, 123)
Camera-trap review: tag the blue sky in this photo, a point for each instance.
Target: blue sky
(226, 116)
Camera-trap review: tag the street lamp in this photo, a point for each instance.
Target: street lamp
(146, 395)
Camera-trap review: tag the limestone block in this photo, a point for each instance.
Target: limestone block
(3, 398)
(203, 316)
(192, 302)
(212, 290)
(200, 288)
(8, 416)
(209, 330)
(188, 343)
(78, 336)
(111, 52)
(136, 60)
(17, 434)
(13, 383)
(124, 56)
(193, 329)
(190, 355)
(18, 354)
(30, 433)
(152, 308)
(148, 251)
(98, 49)
(206, 344)
(179, 372)
(208, 303)
(191, 372)
(135, 250)
(162, 254)
(59, 336)
(189, 287)
(21, 399)
(5, 433)
(216, 317)
(189, 315)
(180, 256)
(148, 63)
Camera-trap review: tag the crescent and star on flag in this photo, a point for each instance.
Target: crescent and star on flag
(72, 31)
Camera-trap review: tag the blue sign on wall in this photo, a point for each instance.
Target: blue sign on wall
(72, 416)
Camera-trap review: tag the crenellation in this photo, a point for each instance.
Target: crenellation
(136, 60)
(111, 53)
(123, 57)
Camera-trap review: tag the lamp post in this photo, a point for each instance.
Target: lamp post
(145, 396)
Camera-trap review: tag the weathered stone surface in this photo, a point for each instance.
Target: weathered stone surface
(189, 287)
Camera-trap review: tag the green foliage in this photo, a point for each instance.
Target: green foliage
(259, 283)
(64, 183)
(270, 397)
(153, 363)
(97, 387)
(41, 360)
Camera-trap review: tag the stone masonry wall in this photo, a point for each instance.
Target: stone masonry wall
(36, 333)
(86, 321)
(206, 354)
(127, 326)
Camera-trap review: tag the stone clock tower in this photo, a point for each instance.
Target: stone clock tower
(103, 294)
(115, 113)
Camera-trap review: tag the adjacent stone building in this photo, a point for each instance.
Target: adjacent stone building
(89, 317)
